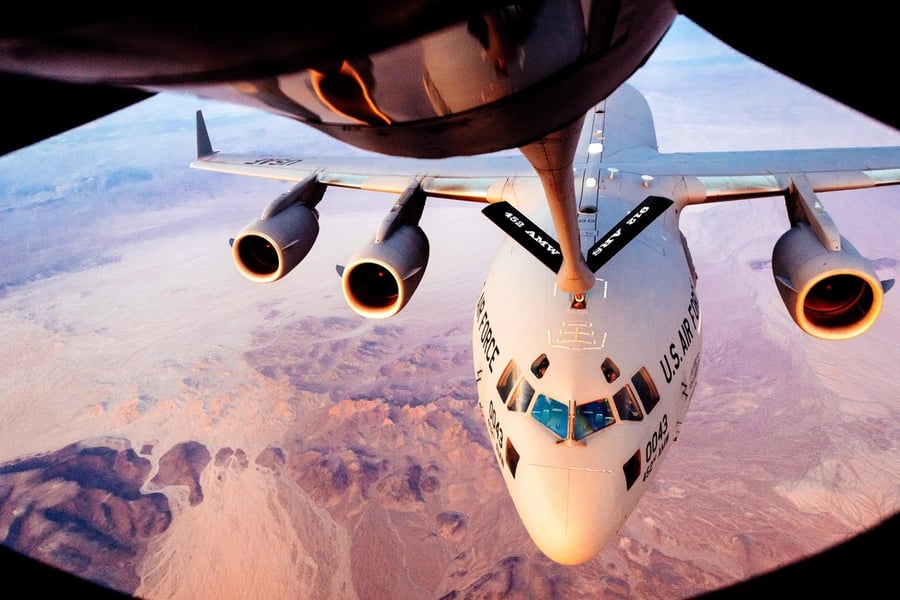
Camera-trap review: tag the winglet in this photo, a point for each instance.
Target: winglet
(204, 146)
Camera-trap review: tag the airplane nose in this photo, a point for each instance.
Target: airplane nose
(571, 514)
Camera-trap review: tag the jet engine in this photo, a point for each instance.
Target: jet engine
(270, 246)
(831, 294)
(381, 277)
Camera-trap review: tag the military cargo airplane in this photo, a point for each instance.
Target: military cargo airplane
(582, 390)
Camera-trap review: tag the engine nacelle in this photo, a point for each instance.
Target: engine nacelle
(381, 277)
(829, 294)
(269, 247)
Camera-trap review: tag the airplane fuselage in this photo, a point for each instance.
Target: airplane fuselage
(582, 402)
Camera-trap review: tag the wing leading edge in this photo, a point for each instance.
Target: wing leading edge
(475, 179)
(754, 174)
(618, 134)
(628, 145)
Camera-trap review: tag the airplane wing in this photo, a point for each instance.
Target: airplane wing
(476, 179)
(628, 144)
(618, 134)
(754, 174)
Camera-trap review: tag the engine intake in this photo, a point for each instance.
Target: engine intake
(381, 277)
(830, 294)
(268, 248)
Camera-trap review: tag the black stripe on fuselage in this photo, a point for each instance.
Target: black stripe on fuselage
(528, 235)
(626, 230)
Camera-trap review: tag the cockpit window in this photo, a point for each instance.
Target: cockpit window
(520, 399)
(592, 417)
(539, 366)
(552, 414)
(610, 370)
(626, 405)
(646, 389)
(507, 380)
